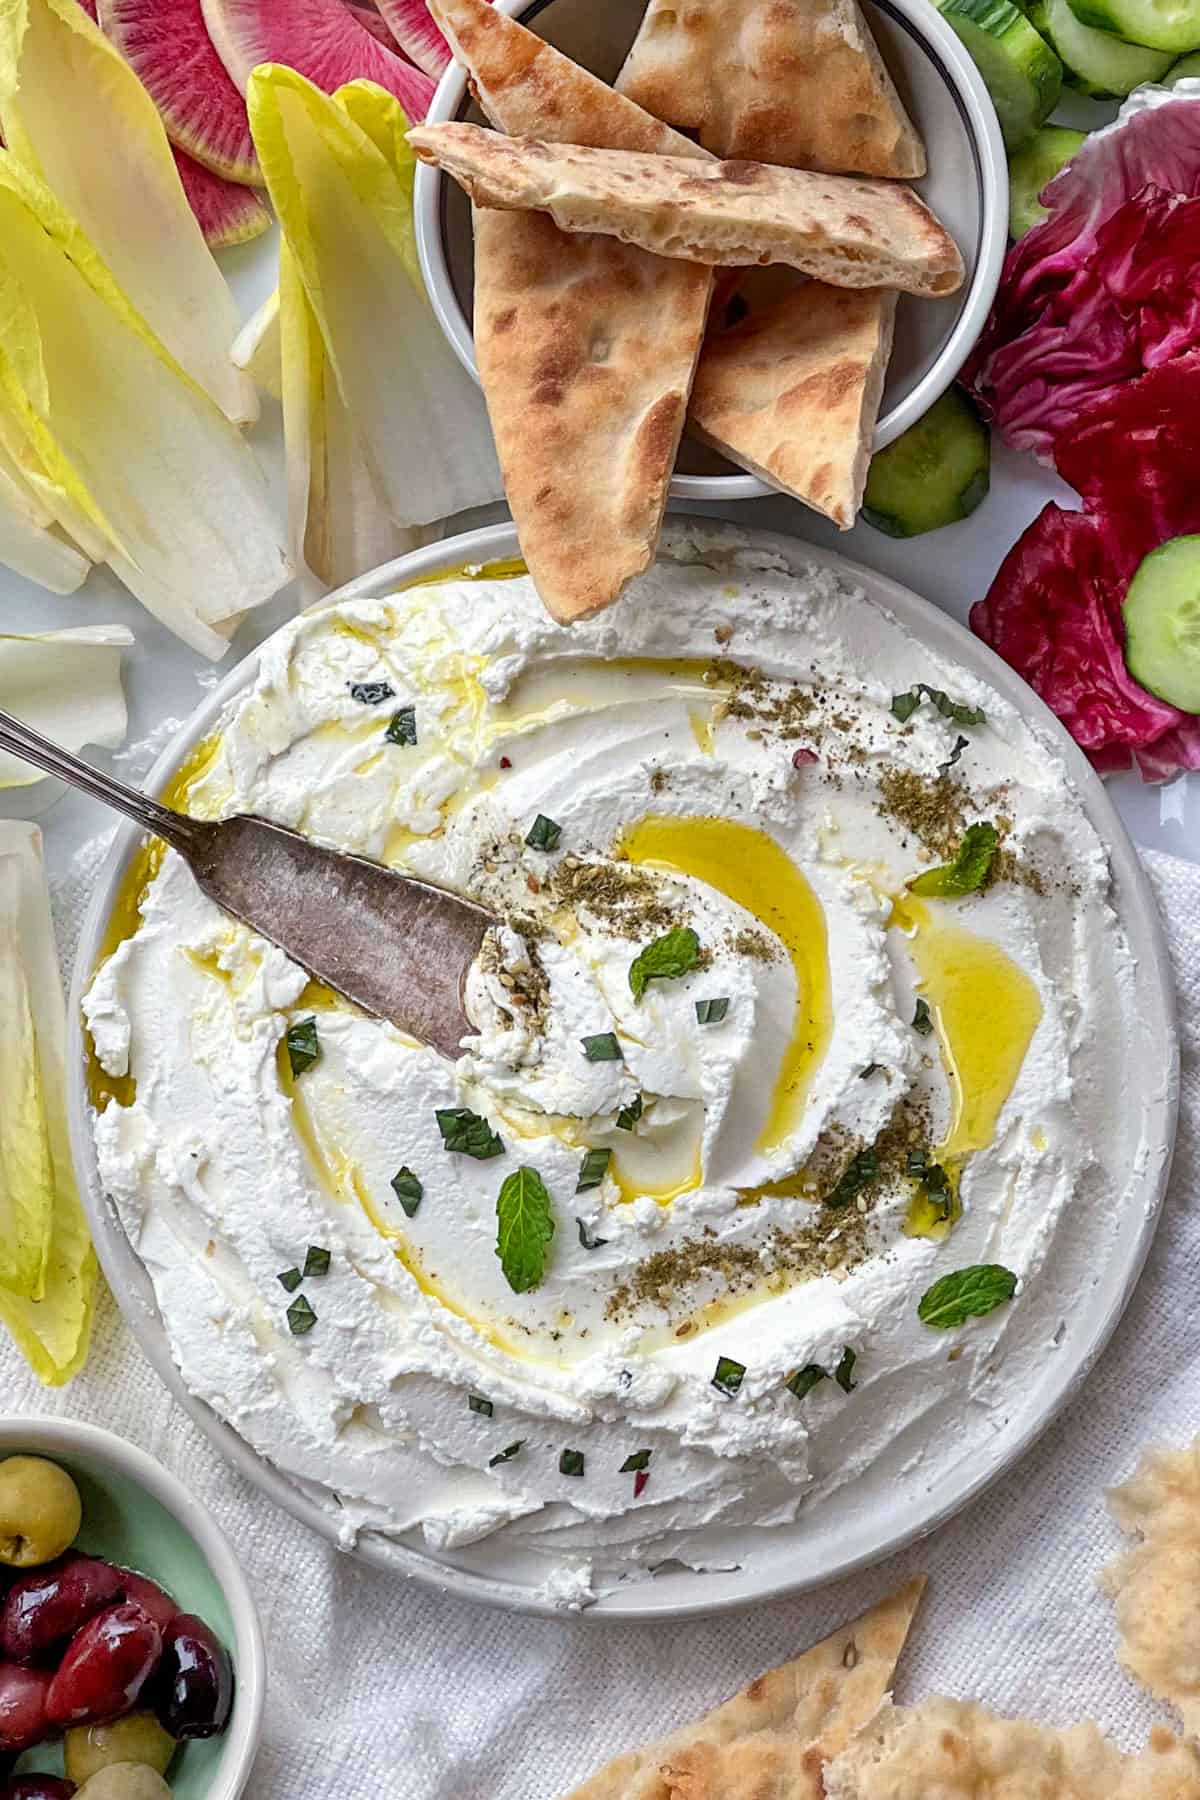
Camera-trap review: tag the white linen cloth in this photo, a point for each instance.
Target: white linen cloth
(381, 1688)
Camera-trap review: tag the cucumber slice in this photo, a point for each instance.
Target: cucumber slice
(1020, 70)
(1162, 623)
(1030, 168)
(935, 473)
(1096, 63)
(1171, 25)
(1186, 69)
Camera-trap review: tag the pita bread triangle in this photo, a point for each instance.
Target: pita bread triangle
(774, 1738)
(790, 389)
(799, 82)
(587, 390)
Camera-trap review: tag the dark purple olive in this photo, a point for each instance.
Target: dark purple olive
(23, 1695)
(46, 1607)
(105, 1668)
(192, 1690)
(38, 1787)
(149, 1596)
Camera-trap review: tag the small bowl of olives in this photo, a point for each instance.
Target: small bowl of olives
(131, 1659)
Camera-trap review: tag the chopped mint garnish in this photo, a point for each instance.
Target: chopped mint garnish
(526, 1225)
(464, 1132)
(587, 1239)
(603, 1047)
(371, 693)
(478, 1404)
(966, 1294)
(844, 1373)
(592, 1171)
(629, 1115)
(403, 728)
(300, 1316)
(940, 1190)
(408, 1190)
(666, 959)
(303, 1046)
(805, 1380)
(967, 873)
(571, 1462)
(916, 1163)
(711, 1012)
(543, 834)
(923, 1018)
(507, 1454)
(290, 1279)
(633, 1465)
(960, 744)
(871, 1069)
(317, 1261)
(905, 705)
(858, 1174)
(728, 1376)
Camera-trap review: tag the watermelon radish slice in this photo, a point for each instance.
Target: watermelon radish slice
(167, 45)
(371, 21)
(228, 211)
(320, 39)
(411, 24)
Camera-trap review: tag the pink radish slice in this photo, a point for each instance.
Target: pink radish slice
(229, 212)
(411, 24)
(167, 45)
(371, 21)
(321, 39)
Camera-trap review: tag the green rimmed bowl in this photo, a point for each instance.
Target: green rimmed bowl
(138, 1515)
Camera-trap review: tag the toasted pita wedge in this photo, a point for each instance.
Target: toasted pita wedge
(781, 1730)
(791, 391)
(1155, 1584)
(843, 229)
(799, 82)
(955, 1748)
(586, 393)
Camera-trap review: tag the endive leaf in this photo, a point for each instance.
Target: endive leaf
(67, 685)
(30, 545)
(52, 1330)
(127, 440)
(75, 113)
(346, 212)
(256, 348)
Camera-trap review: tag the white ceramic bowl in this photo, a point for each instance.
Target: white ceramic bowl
(138, 1515)
(825, 1543)
(967, 187)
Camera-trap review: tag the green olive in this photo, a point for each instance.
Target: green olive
(40, 1511)
(137, 1738)
(124, 1781)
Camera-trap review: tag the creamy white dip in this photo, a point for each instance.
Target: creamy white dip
(720, 752)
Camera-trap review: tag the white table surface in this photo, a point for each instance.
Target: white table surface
(164, 680)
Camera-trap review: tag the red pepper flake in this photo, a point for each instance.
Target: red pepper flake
(639, 1483)
(801, 758)
(505, 763)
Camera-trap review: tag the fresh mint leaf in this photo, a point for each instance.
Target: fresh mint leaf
(711, 1012)
(603, 1047)
(805, 1380)
(507, 1454)
(571, 1462)
(303, 1046)
(464, 1132)
(966, 1294)
(960, 744)
(408, 1190)
(478, 1404)
(526, 1225)
(633, 1465)
(859, 1173)
(301, 1317)
(592, 1171)
(967, 873)
(844, 1373)
(403, 728)
(629, 1115)
(922, 1018)
(290, 1280)
(587, 1238)
(543, 834)
(674, 954)
(371, 693)
(905, 705)
(728, 1376)
(316, 1261)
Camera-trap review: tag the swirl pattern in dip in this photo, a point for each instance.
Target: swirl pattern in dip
(852, 1093)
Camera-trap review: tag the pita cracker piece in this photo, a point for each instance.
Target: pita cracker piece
(791, 391)
(957, 1750)
(782, 1727)
(529, 89)
(799, 82)
(1155, 1585)
(586, 363)
(847, 230)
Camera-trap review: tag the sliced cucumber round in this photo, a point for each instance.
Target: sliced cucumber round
(1030, 168)
(1171, 25)
(935, 473)
(1162, 623)
(1186, 69)
(1096, 62)
(1020, 70)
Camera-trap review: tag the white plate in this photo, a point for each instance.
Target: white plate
(826, 1543)
(967, 187)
